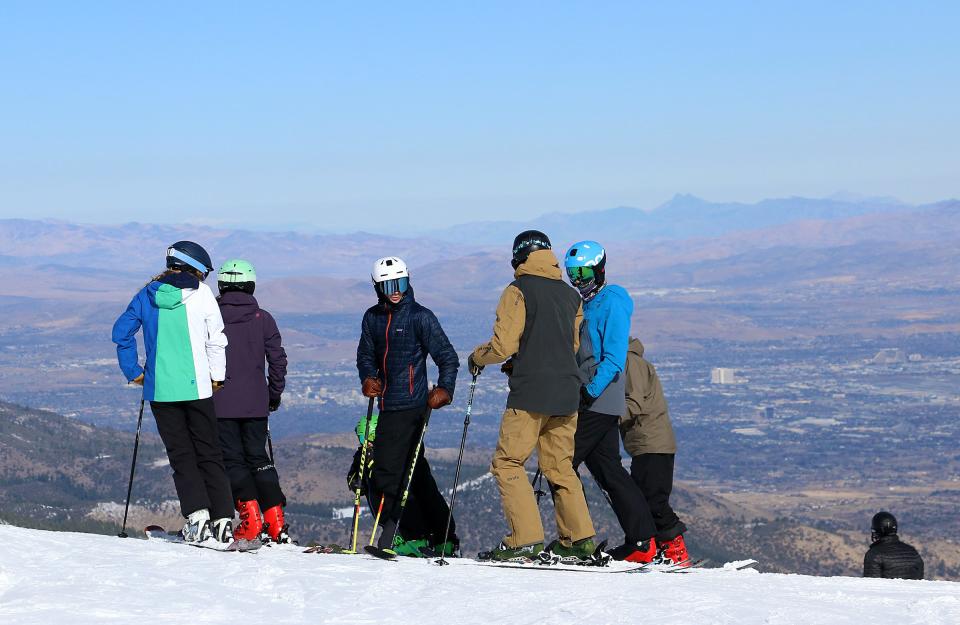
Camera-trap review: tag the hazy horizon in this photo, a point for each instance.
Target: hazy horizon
(332, 117)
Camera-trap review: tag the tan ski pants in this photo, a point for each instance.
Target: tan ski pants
(520, 433)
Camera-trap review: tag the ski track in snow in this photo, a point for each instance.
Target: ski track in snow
(58, 577)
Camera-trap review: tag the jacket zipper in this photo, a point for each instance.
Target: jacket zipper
(386, 350)
(410, 377)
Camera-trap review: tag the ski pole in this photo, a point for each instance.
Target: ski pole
(376, 522)
(363, 466)
(270, 444)
(133, 466)
(456, 476)
(381, 553)
(538, 489)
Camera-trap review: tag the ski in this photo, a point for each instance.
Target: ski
(331, 548)
(155, 532)
(612, 567)
(729, 567)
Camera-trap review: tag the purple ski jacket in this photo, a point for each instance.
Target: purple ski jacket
(252, 339)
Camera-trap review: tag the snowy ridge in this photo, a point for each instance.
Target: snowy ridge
(60, 577)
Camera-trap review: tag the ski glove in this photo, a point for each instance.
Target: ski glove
(586, 399)
(274, 404)
(372, 387)
(507, 367)
(475, 369)
(353, 475)
(137, 380)
(438, 398)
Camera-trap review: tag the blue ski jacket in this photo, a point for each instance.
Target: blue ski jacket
(394, 343)
(603, 353)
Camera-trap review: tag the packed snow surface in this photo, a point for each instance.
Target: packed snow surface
(59, 577)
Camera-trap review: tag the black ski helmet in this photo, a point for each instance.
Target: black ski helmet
(883, 524)
(189, 255)
(526, 242)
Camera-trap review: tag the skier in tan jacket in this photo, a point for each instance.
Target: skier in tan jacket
(536, 332)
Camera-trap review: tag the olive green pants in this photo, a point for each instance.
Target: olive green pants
(520, 433)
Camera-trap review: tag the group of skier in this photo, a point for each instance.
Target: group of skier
(572, 394)
(210, 395)
(578, 384)
(215, 369)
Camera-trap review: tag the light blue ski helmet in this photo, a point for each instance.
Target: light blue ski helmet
(585, 263)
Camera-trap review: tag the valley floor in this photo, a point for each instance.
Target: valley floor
(59, 577)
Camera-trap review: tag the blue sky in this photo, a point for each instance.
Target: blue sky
(348, 115)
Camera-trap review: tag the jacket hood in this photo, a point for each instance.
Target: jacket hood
(635, 347)
(170, 291)
(541, 263)
(238, 307)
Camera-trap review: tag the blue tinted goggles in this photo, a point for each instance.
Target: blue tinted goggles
(397, 285)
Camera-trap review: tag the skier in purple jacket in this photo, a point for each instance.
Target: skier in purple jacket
(248, 396)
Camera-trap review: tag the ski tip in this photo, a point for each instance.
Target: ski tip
(383, 554)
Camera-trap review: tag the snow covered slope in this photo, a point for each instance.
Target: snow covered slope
(55, 577)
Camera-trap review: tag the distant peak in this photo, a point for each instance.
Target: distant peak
(681, 200)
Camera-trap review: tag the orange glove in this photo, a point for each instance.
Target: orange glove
(372, 387)
(137, 380)
(438, 397)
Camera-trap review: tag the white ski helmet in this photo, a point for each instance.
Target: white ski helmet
(390, 275)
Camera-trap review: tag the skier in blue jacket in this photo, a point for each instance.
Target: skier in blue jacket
(604, 335)
(396, 336)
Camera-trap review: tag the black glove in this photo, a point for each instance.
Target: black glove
(507, 367)
(353, 475)
(474, 368)
(274, 404)
(586, 399)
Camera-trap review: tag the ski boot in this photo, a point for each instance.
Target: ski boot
(505, 553)
(450, 549)
(197, 527)
(583, 552)
(251, 522)
(643, 551)
(674, 552)
(222, 530)
(416, 548)
(274, 526)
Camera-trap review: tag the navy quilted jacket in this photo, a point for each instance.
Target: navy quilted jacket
(394, 343)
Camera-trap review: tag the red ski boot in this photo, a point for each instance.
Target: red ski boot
(250, 523)
(641, 552)
(675, 552)
(274, 526)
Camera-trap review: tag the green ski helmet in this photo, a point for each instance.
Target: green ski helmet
(236, 275)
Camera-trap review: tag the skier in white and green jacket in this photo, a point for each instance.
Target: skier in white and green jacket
(185, 363)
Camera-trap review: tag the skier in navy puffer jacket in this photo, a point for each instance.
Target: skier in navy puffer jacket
(396, 336)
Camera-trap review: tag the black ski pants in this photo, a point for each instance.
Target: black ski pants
(251, 471)
(597, 443)
(426, 510)
(653, 473)
(189, 432)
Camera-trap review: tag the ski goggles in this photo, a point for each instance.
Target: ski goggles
(192, 262)
(580, 275)
(397, 285)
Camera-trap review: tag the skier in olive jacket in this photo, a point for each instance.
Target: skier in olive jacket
(648, 438)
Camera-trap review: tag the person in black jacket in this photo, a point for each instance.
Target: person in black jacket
(888, 557)
(396, 336)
